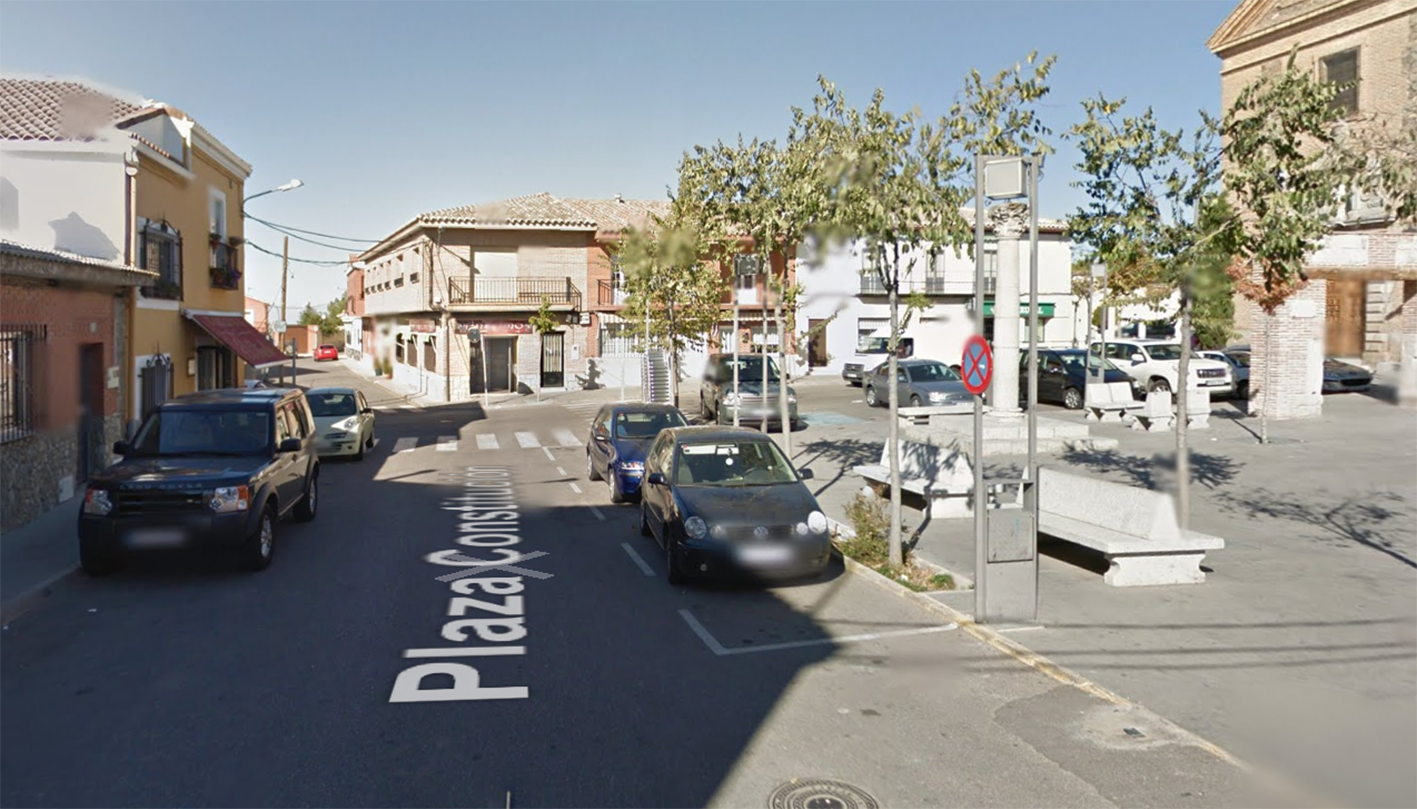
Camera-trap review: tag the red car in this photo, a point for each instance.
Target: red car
(326, 353)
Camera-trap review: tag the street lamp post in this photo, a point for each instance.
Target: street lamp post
(285, 253)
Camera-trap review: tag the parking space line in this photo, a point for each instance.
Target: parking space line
(405, 445)
(486, 441)
(550, 457)
(575, 488)
(560, 471)
(597, 513)
(447, 443)
(719, 649)
(566, 438)
(640, 562)
(528, 440)
(467, 651)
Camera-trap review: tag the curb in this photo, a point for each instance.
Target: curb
(14, 608)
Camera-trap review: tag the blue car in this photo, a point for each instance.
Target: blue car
(620, 437)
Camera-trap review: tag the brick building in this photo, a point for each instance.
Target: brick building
(353, 317)
(1362, 300)
(63, 336)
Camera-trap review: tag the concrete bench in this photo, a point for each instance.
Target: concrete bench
(1108, 401)
(1156, 413)
(1134, 528)
(935, 468)
(1198, 409)
(922, 415)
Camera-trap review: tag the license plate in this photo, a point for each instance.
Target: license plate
(765, 555)
(157, 538)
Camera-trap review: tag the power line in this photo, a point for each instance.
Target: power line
(316, 262)
(292, 234)
(288, 229)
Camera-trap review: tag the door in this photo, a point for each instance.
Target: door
(1052, 377)
(501, 361)
(656, 497)
(599, 448)
(91, 449)
(816, 343)
(366, 418)
(1343, 326)
(553, 360)
(902, 387)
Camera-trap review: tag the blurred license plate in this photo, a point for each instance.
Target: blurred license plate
(157, 538)
(765, 555)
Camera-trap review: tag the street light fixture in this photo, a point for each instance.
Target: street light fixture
(290, 186)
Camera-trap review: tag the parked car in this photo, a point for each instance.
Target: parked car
(718, 400)
(871, 350)
(1238, 358)
(344, 421)
(725, 501)
(324, 353)
(1340, 376)
(215, 469)
(920, 382)
(1154, 364)
(620, 436)
(1063, 375)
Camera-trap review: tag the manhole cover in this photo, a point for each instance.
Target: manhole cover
(817, 793)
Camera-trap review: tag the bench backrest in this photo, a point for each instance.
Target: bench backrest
(1107, 393)
(947, 465)
(1158, 403)
(1129, 509)
(1197, 401)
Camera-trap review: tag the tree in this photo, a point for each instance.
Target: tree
(309, 316)
(899, 183)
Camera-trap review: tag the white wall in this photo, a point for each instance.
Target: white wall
(65, 196)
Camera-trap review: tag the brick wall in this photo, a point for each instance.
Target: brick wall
(73, 318)
(1286, 374)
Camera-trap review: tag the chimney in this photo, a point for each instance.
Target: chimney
(619, 198)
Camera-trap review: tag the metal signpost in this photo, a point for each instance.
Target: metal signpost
(1006, 534)
(1099, 274)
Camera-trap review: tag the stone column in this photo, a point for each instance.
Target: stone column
(1010, 223)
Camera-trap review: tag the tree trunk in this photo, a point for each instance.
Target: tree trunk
(1264, 387)
(764, 352)
(782, 409)
(897, 557)
(1183, 452)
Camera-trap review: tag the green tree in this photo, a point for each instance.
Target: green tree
(544, 322)
(310, 316)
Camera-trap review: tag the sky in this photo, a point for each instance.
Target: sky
(386, 110)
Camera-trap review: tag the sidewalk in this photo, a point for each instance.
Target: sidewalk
(37, 556)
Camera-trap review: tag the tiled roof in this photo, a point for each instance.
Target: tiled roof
(52, 109)
(12, 248)
(534, 210)
(614, 215)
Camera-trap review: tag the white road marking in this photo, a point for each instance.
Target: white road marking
(648, 571)
(1019, 629)
(575, 488)
(566, 438)
(447, 443)
(528, 440)
(486, 441)
(597, 513)
(549, 456)
(560, 471)
(719, 649)
(466, 651)
(405, 445)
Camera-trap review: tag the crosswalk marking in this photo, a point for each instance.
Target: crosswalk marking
(486, 441)
(566, 437)
(528, 440)
(405, 445)
(447, 443)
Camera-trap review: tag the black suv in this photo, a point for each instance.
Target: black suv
(211, 469)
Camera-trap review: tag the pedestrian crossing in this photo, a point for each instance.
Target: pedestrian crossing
(555, 438)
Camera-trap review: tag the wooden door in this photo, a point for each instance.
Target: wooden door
(1343, 332)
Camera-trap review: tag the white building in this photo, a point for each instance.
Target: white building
(840, 289)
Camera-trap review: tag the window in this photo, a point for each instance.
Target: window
(644, 425)
(746, 288)
(204, 432)
(217, 213)
(747, 265)
(618, 339)
(1342, 69)
(160, 250)
(17, 379)
(933, 372)
(617, 274)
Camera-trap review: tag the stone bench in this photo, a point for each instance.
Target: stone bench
(1156, 413)
(933, 467)
(921, 416)
(1198, 409)
(1134, 528)
(1109, 401)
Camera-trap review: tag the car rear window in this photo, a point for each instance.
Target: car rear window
(647, 424)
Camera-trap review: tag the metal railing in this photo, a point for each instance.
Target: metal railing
(930, 285)
(607, 294)
(18, 362)
(224, 272)
(479, 291)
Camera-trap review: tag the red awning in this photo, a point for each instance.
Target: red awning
(236, 334)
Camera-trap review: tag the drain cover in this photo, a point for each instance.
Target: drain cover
(817, 793)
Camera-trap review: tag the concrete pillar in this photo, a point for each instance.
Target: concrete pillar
(1287, 356)
(1010, 224)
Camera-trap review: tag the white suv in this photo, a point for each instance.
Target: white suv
(1154, 365)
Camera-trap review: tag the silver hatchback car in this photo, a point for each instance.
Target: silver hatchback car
(919, 383)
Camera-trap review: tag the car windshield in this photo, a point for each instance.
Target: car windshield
(1165, 351)
(749, 369)
(1093, 362)
(873, 345)
(733, 463)
(326, 405)
(933, 372)
(647, 424)
(204, 432)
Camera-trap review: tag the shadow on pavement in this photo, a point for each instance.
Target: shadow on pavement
(1375, 520)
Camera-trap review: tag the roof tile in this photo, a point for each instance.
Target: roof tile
(52, 109)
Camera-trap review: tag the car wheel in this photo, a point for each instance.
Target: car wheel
(260, 548)
(703, 408)
(616, 496)
(96, 562)
(671, 563)
(363, 445)
(914, 401)
(1072, 399)
(1159, 385)
(871, 400)
(718, 415)
(644, 520)
(591, 473)
(309, 504)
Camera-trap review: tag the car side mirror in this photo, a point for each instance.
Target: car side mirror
(656, 478)
(1138, 359)
(805, 474)
(290, 445)
(122, 448)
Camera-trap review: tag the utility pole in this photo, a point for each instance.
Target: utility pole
(284, 276)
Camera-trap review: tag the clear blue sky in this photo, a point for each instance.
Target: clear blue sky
(386, 110)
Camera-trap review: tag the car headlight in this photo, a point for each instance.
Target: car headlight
(802, 529)
(939, 396)
(630, 466)
(730, 398)
(348, 424)
(226, 499)
(98, 503)
(817, 521)
(695, 527)
(792, 398)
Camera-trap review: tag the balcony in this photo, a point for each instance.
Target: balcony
(607, 294)
(930, 285)
(513, 292)
(224, 272)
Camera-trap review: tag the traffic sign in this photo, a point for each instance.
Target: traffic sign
(278, 327)
(978, 365)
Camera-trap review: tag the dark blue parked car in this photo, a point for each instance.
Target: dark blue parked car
(620, 436)
(1062, 373)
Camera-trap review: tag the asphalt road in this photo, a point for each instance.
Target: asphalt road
(183, 682)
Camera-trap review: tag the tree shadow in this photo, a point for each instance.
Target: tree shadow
(843, 453)
(1210, 471)
(1362, 520)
